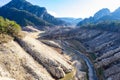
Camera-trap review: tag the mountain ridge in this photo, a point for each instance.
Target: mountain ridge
(101, 13)
(25, 12)
(40, 12)
(22, 17)
(100, 16)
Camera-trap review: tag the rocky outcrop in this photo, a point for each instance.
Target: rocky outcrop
(46, 56)
(17, 64)
(112, 70)
(108, 54)
(108, 61)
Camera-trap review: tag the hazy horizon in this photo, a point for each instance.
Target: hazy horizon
(75, 9)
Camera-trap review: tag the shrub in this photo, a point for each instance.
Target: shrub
(113, 26)
(9, 27)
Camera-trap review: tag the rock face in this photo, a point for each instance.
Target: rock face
(46, 56)
(17, 64)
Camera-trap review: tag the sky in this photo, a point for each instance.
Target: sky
(73, 8)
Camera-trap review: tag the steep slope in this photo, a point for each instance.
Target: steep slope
(116, 12)
(101, 13)
(40, 12)
(23, 18)
(17, 64)
(54, 64)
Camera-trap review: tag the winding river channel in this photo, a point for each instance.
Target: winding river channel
(91, 71)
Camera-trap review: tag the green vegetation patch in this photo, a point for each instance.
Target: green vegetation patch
(8, 30)
(92, 56)
(100, 73)
(113, 26)
(9, 27)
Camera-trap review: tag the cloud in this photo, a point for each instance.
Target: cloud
(53, 13)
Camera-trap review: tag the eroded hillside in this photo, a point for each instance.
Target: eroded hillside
(29, 59)
(100, 45)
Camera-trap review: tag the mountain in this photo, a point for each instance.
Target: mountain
(116, 13)
(71, 21)
(113, 16)
(101, 13)
(24, 13)
(40, 12)
(98, 15)
(23, 18)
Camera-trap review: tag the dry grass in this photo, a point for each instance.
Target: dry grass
(13, 64)
(21, 34)
(4, 38)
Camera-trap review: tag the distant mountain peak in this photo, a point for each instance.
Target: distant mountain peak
(117, 10)
(101, 13)
(116, 13)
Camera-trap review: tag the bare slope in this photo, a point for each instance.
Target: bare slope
(33, 61)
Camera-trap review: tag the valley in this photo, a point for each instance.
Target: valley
(36, 45)
(102, 48)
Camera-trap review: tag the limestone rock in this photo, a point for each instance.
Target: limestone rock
(17, 64)
(48, 57)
